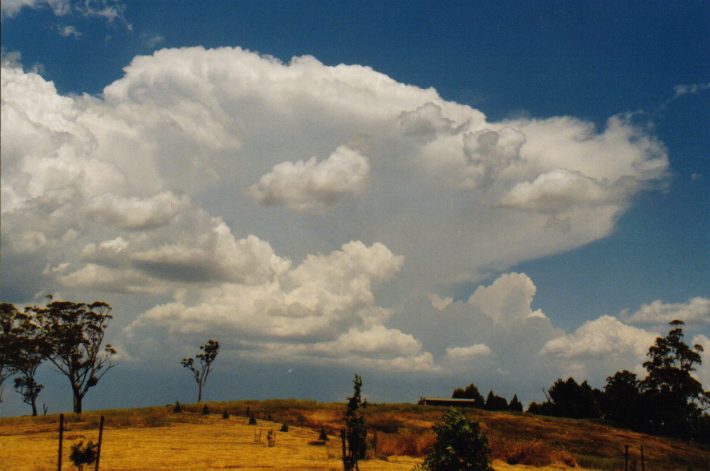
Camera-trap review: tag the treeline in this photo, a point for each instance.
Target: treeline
(669, 401)
(492, 401)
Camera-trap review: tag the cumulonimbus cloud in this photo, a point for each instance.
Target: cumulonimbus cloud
(149, 188)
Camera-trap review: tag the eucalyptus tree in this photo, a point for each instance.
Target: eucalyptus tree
(201, 365)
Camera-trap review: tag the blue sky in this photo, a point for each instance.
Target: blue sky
(601, 232)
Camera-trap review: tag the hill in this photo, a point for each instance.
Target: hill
(156, 438)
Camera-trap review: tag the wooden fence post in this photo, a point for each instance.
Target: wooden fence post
(98, 449)
(61, 438)
(626, 458)
(345, 456)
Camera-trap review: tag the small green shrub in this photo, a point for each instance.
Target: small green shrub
(460, 445)
(225, 414)
(82, 454)
(205, 410)
(323, 435)
(252, 420)
(284, 427)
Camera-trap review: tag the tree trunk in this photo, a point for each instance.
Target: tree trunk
(33, 400)
(77, 402)
(199, 393)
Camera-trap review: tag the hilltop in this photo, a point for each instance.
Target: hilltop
(158, 438)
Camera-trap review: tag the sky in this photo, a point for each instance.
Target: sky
(427, 194)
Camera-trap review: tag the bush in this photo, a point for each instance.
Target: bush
(284, 427)
(252, 420)
(460, 445)
(177, 408)
(83, 454)
(323, 435)
(225, 414)
(205, 410)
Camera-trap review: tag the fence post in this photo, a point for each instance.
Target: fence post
(626, 458)
(643, 462)
(61, 438)
(98, 450)
(345, 456)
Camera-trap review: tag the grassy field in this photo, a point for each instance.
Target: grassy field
(158, 439)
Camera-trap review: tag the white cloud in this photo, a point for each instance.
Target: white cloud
(558, 190)
(67, 31)
(145, 189)
(603, 337)
(313, 185)
(464, 353)
(695, 311)
(135, 213)
(508, 299)
(438, 302)
(703, 370)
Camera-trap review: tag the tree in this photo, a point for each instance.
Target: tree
(30, 350)
(74, 333)
(622, 400)
(355, 429)
(515, 404)
(460, 445)
(8, 316)
(205, 359)
(494, 402)
(471, 392)
(675, 397)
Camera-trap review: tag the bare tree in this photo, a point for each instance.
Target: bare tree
(75, 334)
(205, 359)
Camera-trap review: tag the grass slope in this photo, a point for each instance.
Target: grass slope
(157, 439)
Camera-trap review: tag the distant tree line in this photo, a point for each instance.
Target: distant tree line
(668, 401)
(492, 401)
(68, 334)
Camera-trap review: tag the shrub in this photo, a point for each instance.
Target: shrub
(284, 427)
(323, 436)
(205, 410)
(177, 408)
(460, 445)
(82, 454)
(252, 420)
(225, 414)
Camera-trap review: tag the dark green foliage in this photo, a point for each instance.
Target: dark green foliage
(24, 348)
(177, 408)
(74, 333)
(225, 414)
(515, 404)
(569, 399)
(252, 420)
(494, 402)
(674, 399)
(470, 392)
(284, 427)
(8, 316)
(323, 435)
(622, 401)
(82, 454)
(460, 445)
(200, 372)
(355, 430)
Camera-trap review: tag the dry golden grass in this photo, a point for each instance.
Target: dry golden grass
(400, 434)
(212, 443)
